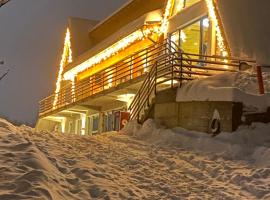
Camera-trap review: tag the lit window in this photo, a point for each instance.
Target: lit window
(194, 38)
(181, 4)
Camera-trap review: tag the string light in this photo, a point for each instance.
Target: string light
(110, 51)
(180, 5)
(165, 21)
(66, 57)
(214, 19)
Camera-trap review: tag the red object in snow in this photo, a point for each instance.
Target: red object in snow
(125, 116)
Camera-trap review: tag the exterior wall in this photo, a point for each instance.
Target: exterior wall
(47, 125)
(195, 115)
(72, 120)
(198, 115)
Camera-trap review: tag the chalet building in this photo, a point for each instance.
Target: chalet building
(117, 69)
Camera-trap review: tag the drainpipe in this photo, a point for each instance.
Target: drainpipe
(260, 79)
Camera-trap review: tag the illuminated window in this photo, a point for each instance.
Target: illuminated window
(192, 42)
(194, 38)
(181, 4)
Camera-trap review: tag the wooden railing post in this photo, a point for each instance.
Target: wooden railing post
(181, 69)
(138, 111)
(148, 90)
(260, 80)
(155, 78)
(172, 60)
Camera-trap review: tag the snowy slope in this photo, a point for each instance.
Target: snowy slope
(247, 28)
(152, 164)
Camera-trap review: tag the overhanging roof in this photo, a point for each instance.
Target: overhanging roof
(127, 13)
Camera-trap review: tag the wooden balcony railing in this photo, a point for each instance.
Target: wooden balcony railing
(129, 68)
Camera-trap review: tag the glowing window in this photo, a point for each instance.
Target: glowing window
(194, 38)
(181, 4)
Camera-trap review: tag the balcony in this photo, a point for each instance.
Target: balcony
(127, 70)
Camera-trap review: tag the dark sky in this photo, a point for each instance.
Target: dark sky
(31, 40)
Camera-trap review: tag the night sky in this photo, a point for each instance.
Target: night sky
(31, 41)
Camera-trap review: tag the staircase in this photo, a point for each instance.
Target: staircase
(163, 74)
(171, 70)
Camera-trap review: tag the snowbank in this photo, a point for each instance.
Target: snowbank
(249, 143)
(162, 165)
(236, 87)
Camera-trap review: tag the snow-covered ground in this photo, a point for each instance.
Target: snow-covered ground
(145, 163)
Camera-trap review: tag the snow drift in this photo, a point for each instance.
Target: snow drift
(249, 143)
(154, 164)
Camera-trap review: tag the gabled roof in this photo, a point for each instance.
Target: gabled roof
(127, 13)
(80, 41)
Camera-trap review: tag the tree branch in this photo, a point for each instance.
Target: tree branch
(3, 76)
(3, 2)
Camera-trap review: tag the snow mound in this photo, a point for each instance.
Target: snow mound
(229, 86)
(161, 165)
(249, 143)
(5, 125)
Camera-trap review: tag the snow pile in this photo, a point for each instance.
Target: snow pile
(236, 87)
(249, 143)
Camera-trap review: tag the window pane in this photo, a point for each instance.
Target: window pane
(205, 36)
(175, 38)
(190, 38)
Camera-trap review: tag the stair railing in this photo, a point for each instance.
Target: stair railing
(160, 72)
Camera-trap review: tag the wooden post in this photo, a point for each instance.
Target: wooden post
(260, 80)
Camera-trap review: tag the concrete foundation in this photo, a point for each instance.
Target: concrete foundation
(197, 115)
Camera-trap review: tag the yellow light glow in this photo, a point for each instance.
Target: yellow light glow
(110, 51)
(61, 120)
(214, 19)
(83, 121)
(73, 90)
(165, 21)
(110, 80)
(128, 98)
(183, 36)
(66, 57)
(180, 5)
